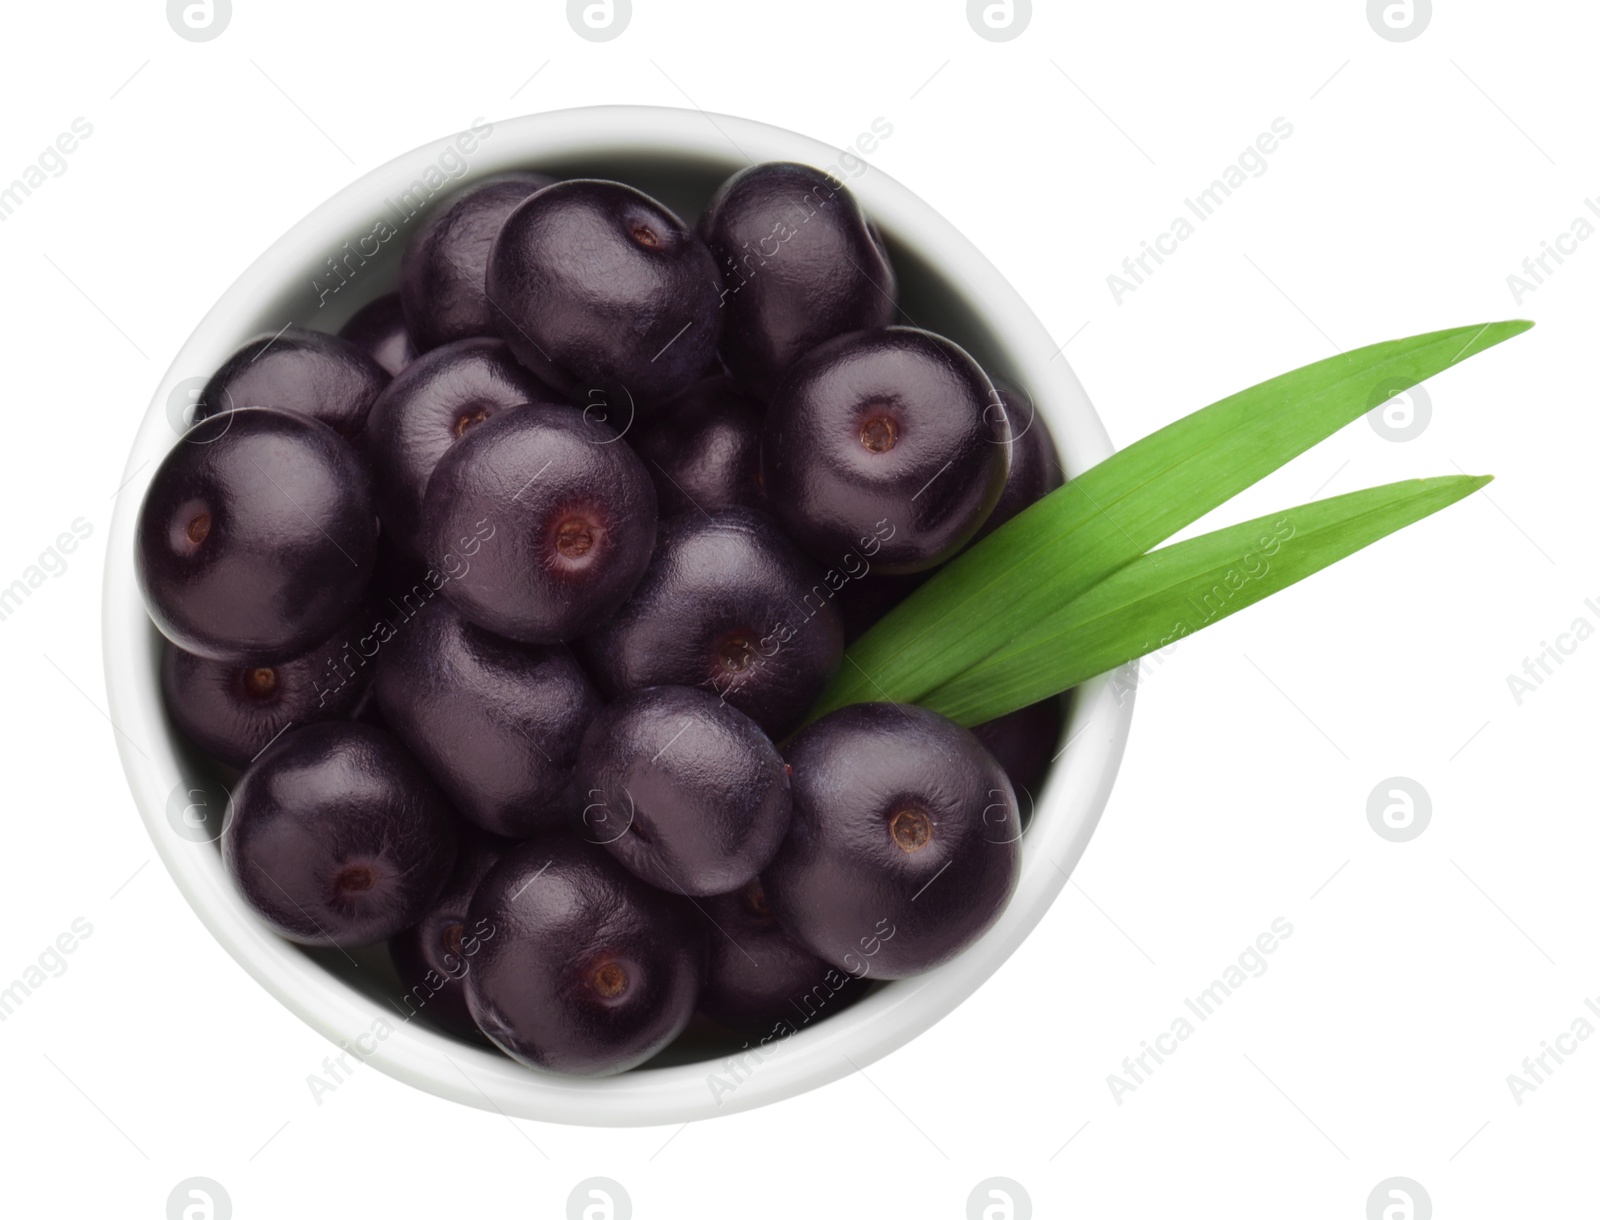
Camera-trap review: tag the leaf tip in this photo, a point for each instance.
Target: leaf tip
(1489, 334)
(1463, 485)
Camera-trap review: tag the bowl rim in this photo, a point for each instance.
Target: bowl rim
(1066, 809)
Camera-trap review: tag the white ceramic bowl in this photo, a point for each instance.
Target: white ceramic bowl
(678, 155)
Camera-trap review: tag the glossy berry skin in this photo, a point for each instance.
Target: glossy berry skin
(443, 268)
(379, 329)
(336, 837)
(588, 970)
(905, 843)
(434, 956)
(890, 441)
(604, 293)
(495, 722)
(704, 450)
(1035, 465)
(759, 978)
(257, 536)
(800, 265)
(684, 790)
(304, 371)
(1024, 742)
(728, 604)
(542, 520)
(233, 711)
(436, 401)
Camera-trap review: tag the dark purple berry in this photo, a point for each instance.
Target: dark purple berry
(232, 711)
(606, 295)
(433, 957)
(760, 979)
(366, 710)
(399, 581)
(304, 371)
(868, 598)
(704, 450)
(1024, 742)
(379, 329)
(541, 521)
(800, 265)
(443, 268)
(257, 536)
(336, 837)
(891, 437)
(905, 842)
(582, 968)
(730, 605)
(436, 401)
(1035, 464)
(684, 790)
(496, 723)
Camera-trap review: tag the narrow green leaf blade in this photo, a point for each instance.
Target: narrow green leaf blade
(1178, 590)
(1132, 501)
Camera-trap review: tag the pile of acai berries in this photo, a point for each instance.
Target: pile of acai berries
(511, 601)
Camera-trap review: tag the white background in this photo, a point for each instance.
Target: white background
(1418, 975)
